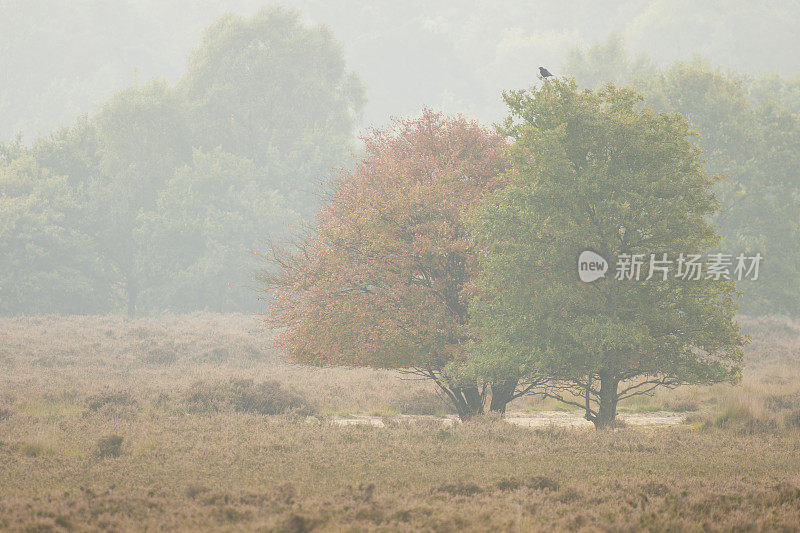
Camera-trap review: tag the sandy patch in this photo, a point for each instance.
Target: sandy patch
(534, 420)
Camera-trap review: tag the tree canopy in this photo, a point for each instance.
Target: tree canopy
(382, 280)
(747, 126)
(166, 193)
(593, 172)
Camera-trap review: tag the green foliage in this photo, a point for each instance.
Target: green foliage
(749, 130)
(750, 133)
(46, 264)
(267, 88)
(591, 171)
(210, 219)
(158, 201)
(605, 62)
(109, 446)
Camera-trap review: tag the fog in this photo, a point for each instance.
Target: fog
(62, 59)
(399, 265)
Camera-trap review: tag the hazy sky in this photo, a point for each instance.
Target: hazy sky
(61, 58)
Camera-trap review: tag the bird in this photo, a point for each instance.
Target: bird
(544, 72)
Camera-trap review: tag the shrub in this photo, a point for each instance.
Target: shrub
(109, 446)
(792, 419)
(682, 405)
(161, 356)
(195, 489)
(31, 449)
(507, 484)
(245, 396)
(295, 523)
(109, 399)
(738, 417)
(780, 402)
(421, 402)
(542, 483)
(460, 489)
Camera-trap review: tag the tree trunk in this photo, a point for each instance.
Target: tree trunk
(607, 412)
(502, 393)
(468, 401)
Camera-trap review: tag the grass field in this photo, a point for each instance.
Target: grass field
(195, 422)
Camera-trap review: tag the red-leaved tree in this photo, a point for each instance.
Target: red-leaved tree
(381, 280)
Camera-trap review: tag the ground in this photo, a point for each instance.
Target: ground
(166, 423)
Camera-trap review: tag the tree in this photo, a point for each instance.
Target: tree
(210, 219)
(269, 107)
(382, 280)
(748, 129)
(590, 171)
(749, 133)
(606, 62)
(143, 138)
(277, 93)
(46, 265)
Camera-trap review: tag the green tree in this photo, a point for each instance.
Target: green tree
(46, 265)
(748, 133)
(143, 139)
(606, 62)
(277, 93)
(269, 107)
(208, 227)
(590, 171)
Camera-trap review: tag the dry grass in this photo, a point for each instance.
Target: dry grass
(108, 423)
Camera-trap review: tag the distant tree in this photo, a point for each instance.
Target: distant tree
(749, 135)
(114, 166)
(590, 171)
(269, 108)
(210, 221)
(46, 264)
(277, 93)
(382, 280)
(143, 138)
(606, 62)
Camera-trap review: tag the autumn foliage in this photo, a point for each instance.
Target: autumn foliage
(381, 281)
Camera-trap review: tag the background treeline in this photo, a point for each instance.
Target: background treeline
(61, 58)
(155, 202)
(160, 199)
(749, 130)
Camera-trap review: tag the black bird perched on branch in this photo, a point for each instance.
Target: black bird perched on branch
(544, 72)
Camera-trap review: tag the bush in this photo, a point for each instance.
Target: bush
(460, 489)
(419, 402)
(161, 356)
(780, 402)
(31, 449)
(792, 419)
(109, 446)
(195, 489)
(739, 418)
(245, 396)
(110, 400)
(542, 483)
(682, 405)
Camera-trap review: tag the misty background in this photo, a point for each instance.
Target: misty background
(150, 148)
(60, 59)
